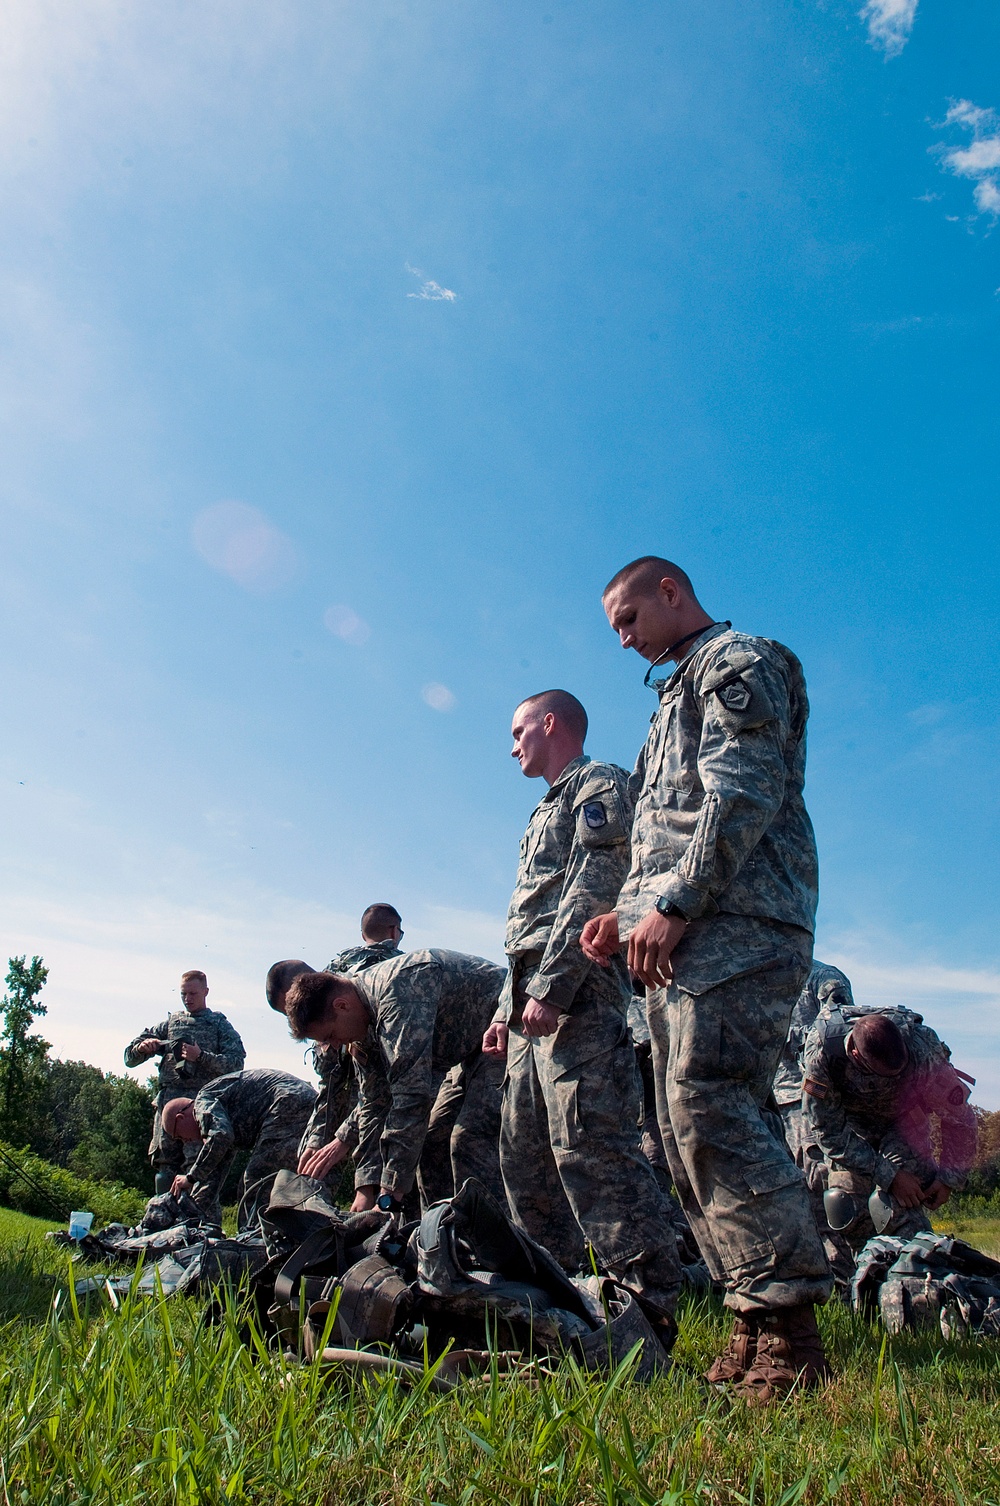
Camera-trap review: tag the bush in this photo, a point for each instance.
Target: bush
(110, 1202)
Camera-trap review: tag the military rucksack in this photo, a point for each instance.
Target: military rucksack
(930, 1281)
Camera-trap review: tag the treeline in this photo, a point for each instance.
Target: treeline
(95, 1124)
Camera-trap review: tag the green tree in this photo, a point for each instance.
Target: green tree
(22, 1054)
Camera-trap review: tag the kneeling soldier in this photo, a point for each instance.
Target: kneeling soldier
(262, 1111)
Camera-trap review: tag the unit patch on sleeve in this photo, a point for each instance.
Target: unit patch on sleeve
(595, 815)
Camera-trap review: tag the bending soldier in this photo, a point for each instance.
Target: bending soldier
(261, 1111)
(195, 1045)
(575, 1175)
(411, 1020)
(874, 1081)
(718, 912)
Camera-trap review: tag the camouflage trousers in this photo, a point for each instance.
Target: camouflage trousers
(275, 1149)
(463, 1132)
(575, 1175)
(714, 1058)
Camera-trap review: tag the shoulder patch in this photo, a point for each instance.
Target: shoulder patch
(595, 815)
(815, 1089)
(735, 696)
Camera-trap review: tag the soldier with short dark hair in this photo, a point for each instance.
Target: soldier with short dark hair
(195, 1045)
(874, 1084)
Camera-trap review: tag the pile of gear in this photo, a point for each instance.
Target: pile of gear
(930, 1281)
(364, 1290)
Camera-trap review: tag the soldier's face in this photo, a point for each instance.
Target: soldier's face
(193, 995)
(344, 1020)
(529, 730)
(644, 621)
(185, 1126)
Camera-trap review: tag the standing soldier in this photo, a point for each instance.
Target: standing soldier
(575, 1175)
(718, 912)
(195, 1044)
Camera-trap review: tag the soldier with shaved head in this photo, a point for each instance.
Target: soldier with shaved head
(573, 1167)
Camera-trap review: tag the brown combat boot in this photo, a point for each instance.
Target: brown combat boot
(789, 1356)
(738, 1355)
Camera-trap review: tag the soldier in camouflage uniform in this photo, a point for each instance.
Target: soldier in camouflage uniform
(718, 911)
(873, 1082)
(825, 985)
(572, 1165)
(412, 1018)
(261, 1111)
(195, 1044)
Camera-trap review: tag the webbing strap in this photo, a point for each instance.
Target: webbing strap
(319, 1246)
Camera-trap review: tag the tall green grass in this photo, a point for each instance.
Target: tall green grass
(144, 1404)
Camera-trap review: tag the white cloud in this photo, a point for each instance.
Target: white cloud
(438, 697)
(889, 23)
(980, 160)
(430, 290)
(240, 541)
(345, 623)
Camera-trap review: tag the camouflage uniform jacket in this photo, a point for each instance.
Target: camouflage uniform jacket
(574, 858)
(336, 1113)
(222, 1051)
(849, 1110)
(429, 1010)
(720, 823)
(231, 1111)
(825, 986)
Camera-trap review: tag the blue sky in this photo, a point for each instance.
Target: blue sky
(346, 353)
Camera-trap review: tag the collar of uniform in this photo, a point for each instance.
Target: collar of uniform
(710, 632)
(567, 773)
(365, 995)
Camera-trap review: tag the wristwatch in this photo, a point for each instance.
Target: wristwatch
(387, 1203)
(667, 907)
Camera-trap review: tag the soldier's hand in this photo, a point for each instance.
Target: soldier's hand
(538, 1018)
(650, 946)
(600, 940)
(495, 1039)
(316, 1163)
(364, 1199)
(190, 1051)
(180, 1184)
(149, 1046)
(937, 1194)
(906, 1190)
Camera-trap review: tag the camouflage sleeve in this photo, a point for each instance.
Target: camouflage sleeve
(218, 1139)
(406, 1035)
(160, 1032)
(598, 865)
(741, 765)
(947, 1096)
(374, 1103)
(230, 1053)
(348, 1132)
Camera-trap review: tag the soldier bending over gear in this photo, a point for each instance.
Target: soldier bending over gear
(195, 1044)
(825, 986)
(718, 911)
(262, 1111)
(412, 1019)
(873, 1082)
(575, 1175)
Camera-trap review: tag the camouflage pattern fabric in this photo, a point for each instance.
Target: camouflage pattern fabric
(857, 1129)
(714, 1056)
(575, 1175)
(262, 1111)
(721, 777)
(574, 857)
(825, 985)
(429, 1011)
(354, 958)
(222, 1051)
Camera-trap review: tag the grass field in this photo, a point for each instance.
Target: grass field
(142, 1405)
